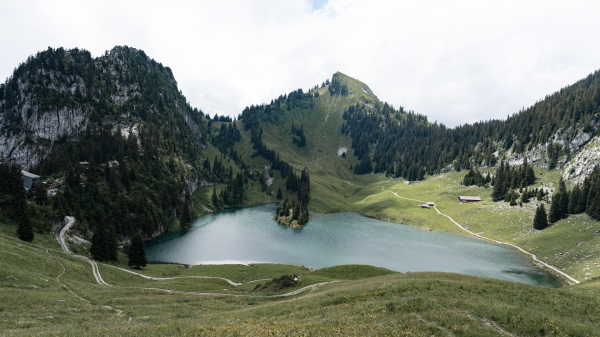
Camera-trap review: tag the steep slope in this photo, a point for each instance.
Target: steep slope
(58, 93)
(121, 112)
(303, 129)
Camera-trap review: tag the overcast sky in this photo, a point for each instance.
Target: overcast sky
(455, 61)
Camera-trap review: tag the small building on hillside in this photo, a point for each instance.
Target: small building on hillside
(49, 188)
(431, 204)
(83, 163)
(465, 200)
(29, 179)
(407, 183)
(424, 206)
(52, 190)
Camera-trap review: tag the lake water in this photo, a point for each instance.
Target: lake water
(250, 235)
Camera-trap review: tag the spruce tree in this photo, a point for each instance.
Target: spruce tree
(497, 192)
(286, 207)
(41, 197)
(582, 199)
(555, 215)
(513, 198)
(137, 252)
(58, 207)
(185, 220)
(19, 195)
(25, 231)
(215, 199)
(111, 244)
(573, 200)
(99, 249)
(296, 211)
(279, 194)
(540, 221)
(564, 199)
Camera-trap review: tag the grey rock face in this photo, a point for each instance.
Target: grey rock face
(582, 164)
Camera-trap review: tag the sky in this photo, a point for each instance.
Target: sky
(455, 61)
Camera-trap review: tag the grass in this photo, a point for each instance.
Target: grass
(359, 300)
(570, 244)
(363, 300)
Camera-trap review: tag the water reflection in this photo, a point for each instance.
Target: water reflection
(250, 235)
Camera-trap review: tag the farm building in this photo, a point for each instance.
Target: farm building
(29, 179)
(464, 200)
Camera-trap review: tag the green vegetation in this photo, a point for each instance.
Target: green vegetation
(540, 221)
(137, 252)
(362, 300)
(147, 149)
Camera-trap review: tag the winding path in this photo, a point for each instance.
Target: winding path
(235, 284)
(69, 222)
(118, 311)
(60, 235)
(291, 293)
(569, 278)
(100, 281)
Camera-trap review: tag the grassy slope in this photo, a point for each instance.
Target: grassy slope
(571, 244)
(365, 300)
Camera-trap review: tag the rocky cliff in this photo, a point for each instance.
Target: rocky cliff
(57, 93)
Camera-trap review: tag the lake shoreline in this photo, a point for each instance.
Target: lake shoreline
(249, 235)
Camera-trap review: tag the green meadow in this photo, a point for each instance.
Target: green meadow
(350, 300)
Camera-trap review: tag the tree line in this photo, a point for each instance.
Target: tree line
(401, 139)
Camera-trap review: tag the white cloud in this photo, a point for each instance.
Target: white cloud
(457, 62)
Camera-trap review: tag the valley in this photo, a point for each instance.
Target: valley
(128, 154)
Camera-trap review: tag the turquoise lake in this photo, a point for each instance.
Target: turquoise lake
(250, 235)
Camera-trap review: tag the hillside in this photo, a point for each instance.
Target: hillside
(117, 138)
(46, 291)
(375, 133)
(152, 159)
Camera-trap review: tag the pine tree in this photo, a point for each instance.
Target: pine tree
(58, 207)
(25, 230)
(286, 207)
(215, 199)
(497, 192)
(296, 211)
(583, 193)
(137, 252)
(41, 197)
(185, 220)
(555, 215)
(513, 198)
(564, 199)
(99, 247)
(19, 196)
(279, 194)
(111, 244)
(540, 221)
(573, 200)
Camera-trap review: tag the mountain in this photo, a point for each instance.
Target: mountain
(121, 112)
(56, 94)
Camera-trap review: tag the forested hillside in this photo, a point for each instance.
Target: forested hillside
(406, 144)
(121, 115)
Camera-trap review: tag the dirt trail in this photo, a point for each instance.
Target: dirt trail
(60, 235)
(118, 311)
(291, 293)
(570, 279)
(235, 284)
